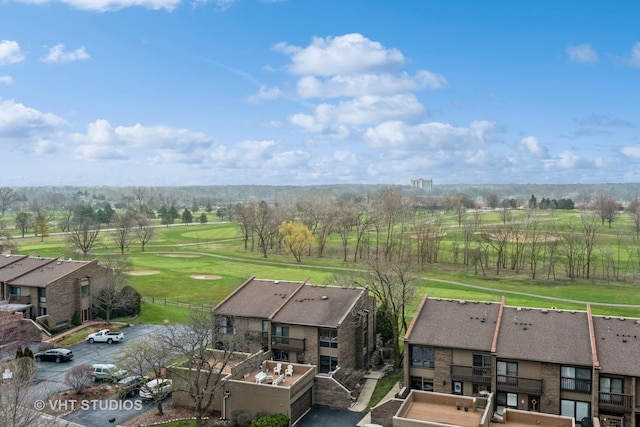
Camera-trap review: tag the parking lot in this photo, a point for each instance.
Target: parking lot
(50, 375)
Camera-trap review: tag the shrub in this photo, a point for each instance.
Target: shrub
(76, 320)
(272, 420)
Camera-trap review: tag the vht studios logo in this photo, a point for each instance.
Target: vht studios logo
(87, 405)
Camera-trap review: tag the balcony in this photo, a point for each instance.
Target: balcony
(287, 343)
(518, 385)
(17, 299)
(476, 374)
(574, 384)
(616, 402)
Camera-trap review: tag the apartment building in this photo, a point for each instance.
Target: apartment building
(326, 326)
(52, 288)
(552, 361)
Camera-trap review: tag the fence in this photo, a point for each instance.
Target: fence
(182, 304)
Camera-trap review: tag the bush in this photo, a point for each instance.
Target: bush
(272, 420)
(76, 320)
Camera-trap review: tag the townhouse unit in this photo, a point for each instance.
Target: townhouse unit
(568, 363)
(326, 326)
(52, 288)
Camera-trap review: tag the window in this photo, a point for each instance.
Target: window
(329, 338)
(574, 408)
(482, 360)
(84, 290)
(227, 326)
(507, 372)
(424, 384)
(15, 291)
(280, 355)
(42, 311)
(328, 364)
(423, 357)
(575, 379)
(42, 295)
(611, 385)
(265, 329)
(507, 400)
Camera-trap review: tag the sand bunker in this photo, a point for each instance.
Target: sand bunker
(205, 277)
(142, 272)
(180, 255)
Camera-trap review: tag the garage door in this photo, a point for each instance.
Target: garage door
(300, 406)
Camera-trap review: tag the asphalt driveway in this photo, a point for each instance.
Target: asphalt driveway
(49, 376)
(321, 416)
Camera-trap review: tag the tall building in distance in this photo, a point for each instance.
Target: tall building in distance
(426, 184)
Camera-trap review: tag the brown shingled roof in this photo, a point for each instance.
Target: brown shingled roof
(257, 298)
(455, 324)
(20, 267)
(319, 306)
(48, 273)
(557, 336)
(618, 344)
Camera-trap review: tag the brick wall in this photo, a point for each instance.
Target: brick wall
(442, 371)
(384, 412)
(328, 392)
(550, 399)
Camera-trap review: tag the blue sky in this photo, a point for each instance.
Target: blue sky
(304, 92)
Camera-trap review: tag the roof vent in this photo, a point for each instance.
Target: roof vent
(324, 297)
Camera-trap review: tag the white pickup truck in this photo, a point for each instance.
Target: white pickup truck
(105, 335)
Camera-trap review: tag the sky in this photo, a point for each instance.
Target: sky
(311, 92)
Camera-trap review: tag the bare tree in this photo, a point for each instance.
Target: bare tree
(201, 376)
(7, 197)
(83, 235)
(109, 298)
(591, 233)
(123, 233)
(634, 209)
(144, 230)
(148, 356)
(7, 243)
(79, 377)
(606, 207)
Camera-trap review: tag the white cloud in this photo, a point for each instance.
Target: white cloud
(367, 84)
(634, 58)
(633, 151)
(330, 118)
(347, 54)
(429, 136)
(567, 160)
(111, 5)
(265, 93)
(164, 143)
(57, 55)
(531, 144)
(582, 54)
(10, 52)
(18, 122)
(6, 80)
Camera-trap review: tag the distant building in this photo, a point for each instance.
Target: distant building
(426, 184)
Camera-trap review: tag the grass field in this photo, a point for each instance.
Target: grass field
(203, 263)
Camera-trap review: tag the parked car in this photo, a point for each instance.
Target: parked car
(54, 355)
(105, 335)
(129, 386)
(159, 387)
(108, 372)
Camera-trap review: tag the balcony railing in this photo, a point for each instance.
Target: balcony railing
(17, 299)
(517, 384)
(287, 343)
(475, 374)
(574, 384)
(617, 402)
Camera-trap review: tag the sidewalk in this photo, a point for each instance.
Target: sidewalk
(371, 379)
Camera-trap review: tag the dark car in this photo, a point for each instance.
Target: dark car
(129, 386)
(54, 355)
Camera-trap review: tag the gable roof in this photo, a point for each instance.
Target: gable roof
(49, 273)
(618, 344)
(22, 266)
(319, 305)
(454, 324)
(257, 298)
(297, 303)
(556, 336)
